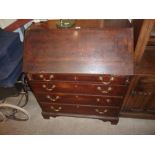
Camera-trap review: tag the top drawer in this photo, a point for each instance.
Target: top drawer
(105, 79)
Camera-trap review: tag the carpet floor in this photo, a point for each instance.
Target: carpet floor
(70, 125)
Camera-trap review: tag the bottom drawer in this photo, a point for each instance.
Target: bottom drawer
(81, 110)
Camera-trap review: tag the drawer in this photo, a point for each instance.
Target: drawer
(81, 110)
(78, 88)
(106, 79)
(79, 99)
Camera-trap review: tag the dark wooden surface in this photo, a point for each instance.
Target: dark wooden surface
(145, 55)
(147, 63)
(94, 51)
(140, 100)
(142, 97)
(79, 99)
(96, 78)
(84, 72)
(72, 109)
(143, 39)
(83, 88)
(89, 23)
(137, 24)
(113, 120)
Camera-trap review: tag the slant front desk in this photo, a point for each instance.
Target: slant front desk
(82, 71)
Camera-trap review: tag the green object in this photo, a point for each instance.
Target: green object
(65, 23)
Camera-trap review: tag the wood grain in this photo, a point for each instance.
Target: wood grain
(82, 72)
(143, 39)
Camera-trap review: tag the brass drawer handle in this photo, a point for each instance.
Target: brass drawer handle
(98, 100)
(101, 112)
(107, 100)
(104, 91)
(106, 83)
(100, 78)
(48, 89)
(56, 110)
(53, 99)
(44, 79)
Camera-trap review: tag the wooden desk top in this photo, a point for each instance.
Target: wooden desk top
(98, 47)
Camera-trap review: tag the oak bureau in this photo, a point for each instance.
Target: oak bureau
(82, 71)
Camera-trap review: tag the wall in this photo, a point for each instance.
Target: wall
(5, 22)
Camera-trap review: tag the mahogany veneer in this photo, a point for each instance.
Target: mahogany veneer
(81, 72)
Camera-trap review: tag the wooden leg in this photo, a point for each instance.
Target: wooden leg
(114, 122)
(104, 120)
(52, 115)
(46, 116)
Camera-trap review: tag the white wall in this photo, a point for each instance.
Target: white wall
(5, 22)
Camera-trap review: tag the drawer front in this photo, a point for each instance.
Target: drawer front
(70, 87)
(81, 110)
(105, 79)
(79, 99)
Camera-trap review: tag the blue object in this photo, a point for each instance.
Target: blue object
(12, 78)
(11, 52)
